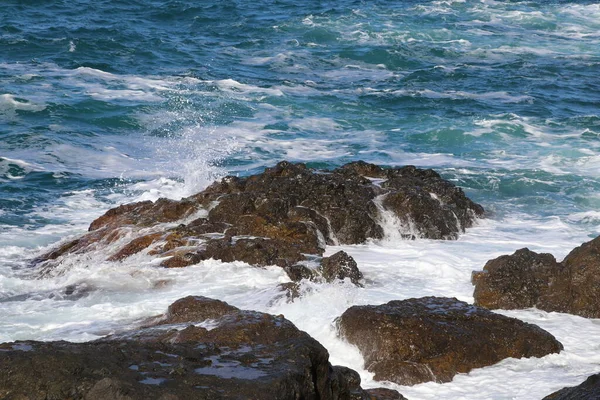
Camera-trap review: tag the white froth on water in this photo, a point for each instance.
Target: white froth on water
(112, 296)
(9, 104)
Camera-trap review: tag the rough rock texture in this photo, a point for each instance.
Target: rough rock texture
(340, 266)
(588, 390)
(433, 339)
(280, 216)
(527, 279)
(385, 394)
(247, 355)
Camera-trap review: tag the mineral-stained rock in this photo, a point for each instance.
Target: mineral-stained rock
(527, 279)
(433, 339)
(246, 355)
(588, 390)
(278, 217)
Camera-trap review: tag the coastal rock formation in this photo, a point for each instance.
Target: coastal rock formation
(527, 279)
(201, 349)
(588, 390)
(432, 339)
(279, 217)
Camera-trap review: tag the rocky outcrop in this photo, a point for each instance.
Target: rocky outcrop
(201, 349)
(279, 217)
(432, 339)
(340, 266)
(528, 279)
(588, 390)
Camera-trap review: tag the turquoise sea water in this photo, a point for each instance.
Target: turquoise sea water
(104, 102)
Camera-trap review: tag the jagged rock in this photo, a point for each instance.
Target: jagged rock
(527, 279)
(340, 266)
(279, 217)
(246, 355)
(432, 339)
(588, 390)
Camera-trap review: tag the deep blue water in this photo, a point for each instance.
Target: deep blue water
(501, 96)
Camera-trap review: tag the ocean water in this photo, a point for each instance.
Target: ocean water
(106, 102)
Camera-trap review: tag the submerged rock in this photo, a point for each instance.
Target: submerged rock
(432, 339)
(279, 217)
(201, 349)
(588, 390)
(528, 279)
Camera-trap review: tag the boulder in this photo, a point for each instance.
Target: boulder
(432, 339)
(528, 279)
(340, 266)
(279, 217)
(588, 390)
(236, 354)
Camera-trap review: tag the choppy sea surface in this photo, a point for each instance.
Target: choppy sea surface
(107, 102)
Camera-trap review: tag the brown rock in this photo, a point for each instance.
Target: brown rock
(135, 246)
(384, 394)
(515, 281)
(280, 216)
(527, 279)
(433, 339)
(196, 308)
(145, 213)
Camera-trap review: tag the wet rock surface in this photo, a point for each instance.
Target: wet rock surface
(528, 279)
(236, 354)
(279, 217)
(432, 339)
(588, 390)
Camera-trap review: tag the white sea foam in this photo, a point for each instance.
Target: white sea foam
(10, 103)
(503, 97)
(236, 87)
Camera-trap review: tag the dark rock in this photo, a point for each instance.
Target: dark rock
(384, 394)
(196, 308)
(247, 355)
(588, 390)
(362, 168)
(433, 339)
(527, 279)
(182, 259)
(340, 266)
(254, 251)
(291, 290)
(280, 216)
(297, 272)
(515, 281)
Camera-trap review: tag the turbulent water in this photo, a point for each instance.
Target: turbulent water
(106, 102)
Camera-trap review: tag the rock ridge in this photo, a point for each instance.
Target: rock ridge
(284, 216)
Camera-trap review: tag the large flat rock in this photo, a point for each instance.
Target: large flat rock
(432, 338)
(200, 349)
